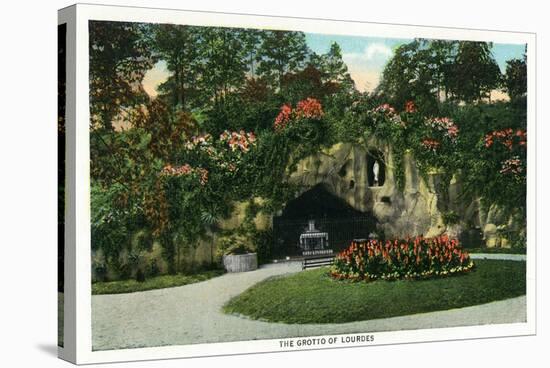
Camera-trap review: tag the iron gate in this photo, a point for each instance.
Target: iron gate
(341, 231)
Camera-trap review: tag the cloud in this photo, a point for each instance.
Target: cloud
(366, 67)
(378, 50)
(374, 54)
(154, 77)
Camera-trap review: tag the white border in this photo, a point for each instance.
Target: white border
(68, 351)
(84, 12)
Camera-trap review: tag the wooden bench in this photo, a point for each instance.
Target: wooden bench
(311, 259)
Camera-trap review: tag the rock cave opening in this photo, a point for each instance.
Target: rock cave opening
(330, 214)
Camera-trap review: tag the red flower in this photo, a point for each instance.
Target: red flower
(431, 144)
(385, 109)
(506, 137)
(410, 107)
(398, 262)
(309, 108)
(282, 120)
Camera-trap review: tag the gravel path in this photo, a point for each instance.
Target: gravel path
(192, 314)
(501, 257)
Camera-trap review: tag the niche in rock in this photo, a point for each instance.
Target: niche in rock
(376, 168)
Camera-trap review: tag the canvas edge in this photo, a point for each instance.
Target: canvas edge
(78, 230)
(68, 351)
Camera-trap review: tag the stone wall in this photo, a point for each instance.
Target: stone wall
(144, 259)
(204, 252)
(261, 221)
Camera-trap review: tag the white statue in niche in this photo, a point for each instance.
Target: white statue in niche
(375, 169)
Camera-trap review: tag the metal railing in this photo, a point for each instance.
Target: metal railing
(341, 231)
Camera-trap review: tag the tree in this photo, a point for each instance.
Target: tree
(302, 84)
(176, 44)
(335, 69)
(411, 74)
(422, 69)
(443, 54)
(223, 63)
(515, 80)
(475, 72)
(251, 39)
(281, 52)
(120, 55)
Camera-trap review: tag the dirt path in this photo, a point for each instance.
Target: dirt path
(192, 314)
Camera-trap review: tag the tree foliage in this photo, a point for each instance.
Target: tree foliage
(474, 73)
(176, 45)
(428, 71)
(516, 78)
(279, 53)
(120, 55)
(412, 75)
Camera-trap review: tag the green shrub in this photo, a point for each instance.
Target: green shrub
(140, 276)
(101, 272)
(144, 240)
(233, 244)
(154, 269)
(124, 271)
(410, 258)
(450, 218)
(238, 249)
(263, 241)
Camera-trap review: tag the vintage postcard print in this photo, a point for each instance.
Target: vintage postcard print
(237, 183)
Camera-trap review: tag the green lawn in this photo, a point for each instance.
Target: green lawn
(313, 297)
(158, 282)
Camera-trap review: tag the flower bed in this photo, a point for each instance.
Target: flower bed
(396, 259)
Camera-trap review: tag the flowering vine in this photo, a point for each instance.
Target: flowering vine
(431, 144)
(201, 141)
(310, 108)
(186, 170)
(238, 141)
(225, 153)
(386, 111)
(410, 107)
(506, 137)
(512, 165)
(512, 140)
(444, 125)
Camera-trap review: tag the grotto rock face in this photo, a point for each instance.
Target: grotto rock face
(497, 226)
(343, 170)
(417, 209)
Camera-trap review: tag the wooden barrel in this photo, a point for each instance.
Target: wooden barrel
(240, 262)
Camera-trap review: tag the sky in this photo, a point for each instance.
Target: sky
(364, 56)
